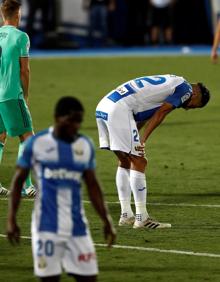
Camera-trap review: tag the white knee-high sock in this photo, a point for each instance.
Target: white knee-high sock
(124, 190)
(139, 188)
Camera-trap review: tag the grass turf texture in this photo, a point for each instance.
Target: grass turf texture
(183, 168)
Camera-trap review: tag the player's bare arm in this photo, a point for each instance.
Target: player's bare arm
(214, 53)
(97, 199)
(13, 231)
(141, 124)
(156, 120)
(25, 76)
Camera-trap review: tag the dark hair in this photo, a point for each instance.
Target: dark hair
(205, 94)
(10, 7)
(68, 105)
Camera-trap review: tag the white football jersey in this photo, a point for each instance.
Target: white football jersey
(144, 95)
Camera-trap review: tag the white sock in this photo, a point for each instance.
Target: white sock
(139, 188)
(124, 190)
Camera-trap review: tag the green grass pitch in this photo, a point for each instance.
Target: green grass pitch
(183, 167)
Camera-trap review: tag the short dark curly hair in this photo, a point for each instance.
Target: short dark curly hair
(68, 105)
(205, 94)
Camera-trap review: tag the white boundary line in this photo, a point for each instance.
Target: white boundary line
(22, 237)
(170, 205)
(155, 250)
(150, 204)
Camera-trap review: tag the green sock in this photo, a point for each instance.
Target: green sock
(1, 151)
(28, 181)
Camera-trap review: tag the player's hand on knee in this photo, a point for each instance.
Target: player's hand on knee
(141, 150)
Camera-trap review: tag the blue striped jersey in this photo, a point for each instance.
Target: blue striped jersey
(58, 168)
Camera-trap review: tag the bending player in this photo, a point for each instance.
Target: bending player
(149, 98)
(60, 157)
(15, 118)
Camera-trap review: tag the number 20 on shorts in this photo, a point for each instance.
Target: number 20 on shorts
(45, 248)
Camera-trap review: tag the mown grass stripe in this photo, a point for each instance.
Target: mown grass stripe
(177, 252)
(149, 204)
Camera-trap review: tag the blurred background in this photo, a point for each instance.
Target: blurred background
(69, 24)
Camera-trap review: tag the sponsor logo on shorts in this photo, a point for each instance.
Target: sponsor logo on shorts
(102, 115)
(87, 257)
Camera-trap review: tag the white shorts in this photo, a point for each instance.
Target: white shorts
(52, 253)
(117, 127)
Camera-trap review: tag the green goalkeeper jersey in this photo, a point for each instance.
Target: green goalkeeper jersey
(14, 44)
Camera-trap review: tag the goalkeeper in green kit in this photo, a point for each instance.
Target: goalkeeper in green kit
(15, 118)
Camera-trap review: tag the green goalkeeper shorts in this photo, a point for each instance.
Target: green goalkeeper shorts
(15, 117)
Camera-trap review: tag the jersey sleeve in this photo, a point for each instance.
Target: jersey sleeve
(24, 45)
(92, 160)
(182, 93)
(25, 160)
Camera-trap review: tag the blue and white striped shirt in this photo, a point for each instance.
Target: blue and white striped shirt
(58, 167)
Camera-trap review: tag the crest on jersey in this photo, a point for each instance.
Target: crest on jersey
(78, 150)
(42, 262)
(122, 90)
